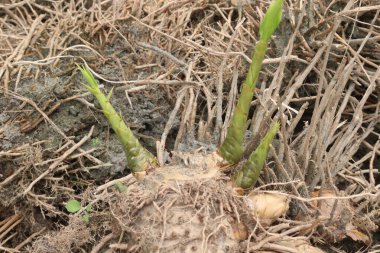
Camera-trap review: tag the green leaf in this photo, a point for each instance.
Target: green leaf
(271, 20)
(73, 206)
(86, 73)
(109, 94)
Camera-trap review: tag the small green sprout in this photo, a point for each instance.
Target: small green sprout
(95, 142)
(120, 186)
(73, 206)
(271, 20)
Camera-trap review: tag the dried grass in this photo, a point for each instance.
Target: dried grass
(321, 81)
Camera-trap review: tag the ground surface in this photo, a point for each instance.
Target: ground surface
(176, 67)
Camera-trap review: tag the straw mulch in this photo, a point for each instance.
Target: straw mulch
(177, 67)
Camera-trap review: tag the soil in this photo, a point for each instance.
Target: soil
(151, 53)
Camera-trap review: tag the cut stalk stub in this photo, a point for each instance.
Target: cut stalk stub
(138, 158)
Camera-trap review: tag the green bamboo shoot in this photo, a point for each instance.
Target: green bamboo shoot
(232, 148)
(138, 158)
(247, 176)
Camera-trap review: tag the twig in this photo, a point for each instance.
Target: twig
(11, 177)
(102, 242)
(272, 238)
(130, 179)
(29, 239)
(8, 249)
(364, 194)
(59, 160)
(56, 128)
(220, 83)
(11, 223)
(280, 248)
(19, 52)
(371, 170)
(168, 126)
(163, 53)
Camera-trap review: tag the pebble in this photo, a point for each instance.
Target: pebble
(59, 91)
(73, 111)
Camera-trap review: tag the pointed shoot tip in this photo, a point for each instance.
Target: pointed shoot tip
(271, 20)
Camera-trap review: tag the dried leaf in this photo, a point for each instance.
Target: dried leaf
(356, 235)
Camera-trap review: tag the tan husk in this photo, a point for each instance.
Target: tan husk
(267, 207)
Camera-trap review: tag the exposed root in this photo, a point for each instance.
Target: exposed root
(74, 235)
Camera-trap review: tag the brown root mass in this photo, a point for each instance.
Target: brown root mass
(74, 235)
(199, 215)
(179, 208)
